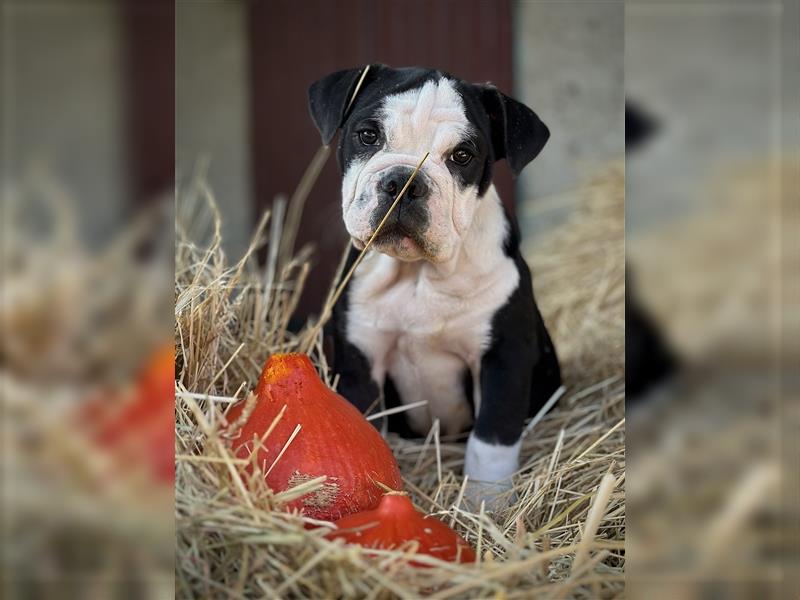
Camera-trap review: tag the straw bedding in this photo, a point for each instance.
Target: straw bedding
(76, 323)
(715, 506)
(562, 536)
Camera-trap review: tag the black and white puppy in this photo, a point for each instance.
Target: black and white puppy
(444, 310)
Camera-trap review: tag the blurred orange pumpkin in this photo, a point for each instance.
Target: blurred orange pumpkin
(138, 429)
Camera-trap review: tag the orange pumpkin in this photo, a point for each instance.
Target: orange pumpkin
(139, 429)
(334, 440)
(396, 522)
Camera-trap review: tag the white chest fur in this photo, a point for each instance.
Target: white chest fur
(427, 325)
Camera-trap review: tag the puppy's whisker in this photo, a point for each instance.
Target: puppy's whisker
(328, 308)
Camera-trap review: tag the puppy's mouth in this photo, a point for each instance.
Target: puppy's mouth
(395, 240)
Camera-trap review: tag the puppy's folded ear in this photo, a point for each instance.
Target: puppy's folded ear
(518, 135)
(328, 99)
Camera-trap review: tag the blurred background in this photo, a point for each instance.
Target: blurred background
(712, 266)
(88, 95)
(244, 68)
(86, 304)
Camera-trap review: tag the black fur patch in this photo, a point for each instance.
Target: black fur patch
(355, 378)
(519, 370)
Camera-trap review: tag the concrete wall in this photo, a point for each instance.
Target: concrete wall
(212, 114)
(63, 104)
(569, 68)
(710, 74)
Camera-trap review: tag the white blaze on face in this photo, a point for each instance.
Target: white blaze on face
(427, 118)
(430, 118)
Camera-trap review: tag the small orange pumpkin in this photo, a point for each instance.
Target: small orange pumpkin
(334, 440)
(396, 522)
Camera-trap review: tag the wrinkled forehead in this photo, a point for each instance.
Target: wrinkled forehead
(430, 117)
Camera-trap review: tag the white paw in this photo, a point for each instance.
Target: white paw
(489, 468)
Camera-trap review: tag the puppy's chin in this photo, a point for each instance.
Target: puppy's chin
(403, 248)
(396, 244)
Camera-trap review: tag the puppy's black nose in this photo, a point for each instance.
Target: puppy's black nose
(393, 181)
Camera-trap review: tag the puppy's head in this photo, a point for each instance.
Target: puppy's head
(397, 116)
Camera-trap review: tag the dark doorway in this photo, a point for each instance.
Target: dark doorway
(148, 28)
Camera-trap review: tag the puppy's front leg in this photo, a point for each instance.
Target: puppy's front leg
(355, 382)
(493, 447)
(349, 363)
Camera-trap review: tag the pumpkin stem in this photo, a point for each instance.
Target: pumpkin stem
(394, 503)
(281, 365)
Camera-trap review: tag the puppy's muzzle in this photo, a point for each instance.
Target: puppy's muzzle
(411, 217)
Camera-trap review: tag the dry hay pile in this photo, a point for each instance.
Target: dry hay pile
(713, 505)
(75, 323)
(564, 534)
(579, 278)
(714, 278)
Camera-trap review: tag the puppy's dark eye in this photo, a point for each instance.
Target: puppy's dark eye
(461, 157)
(368, 137)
